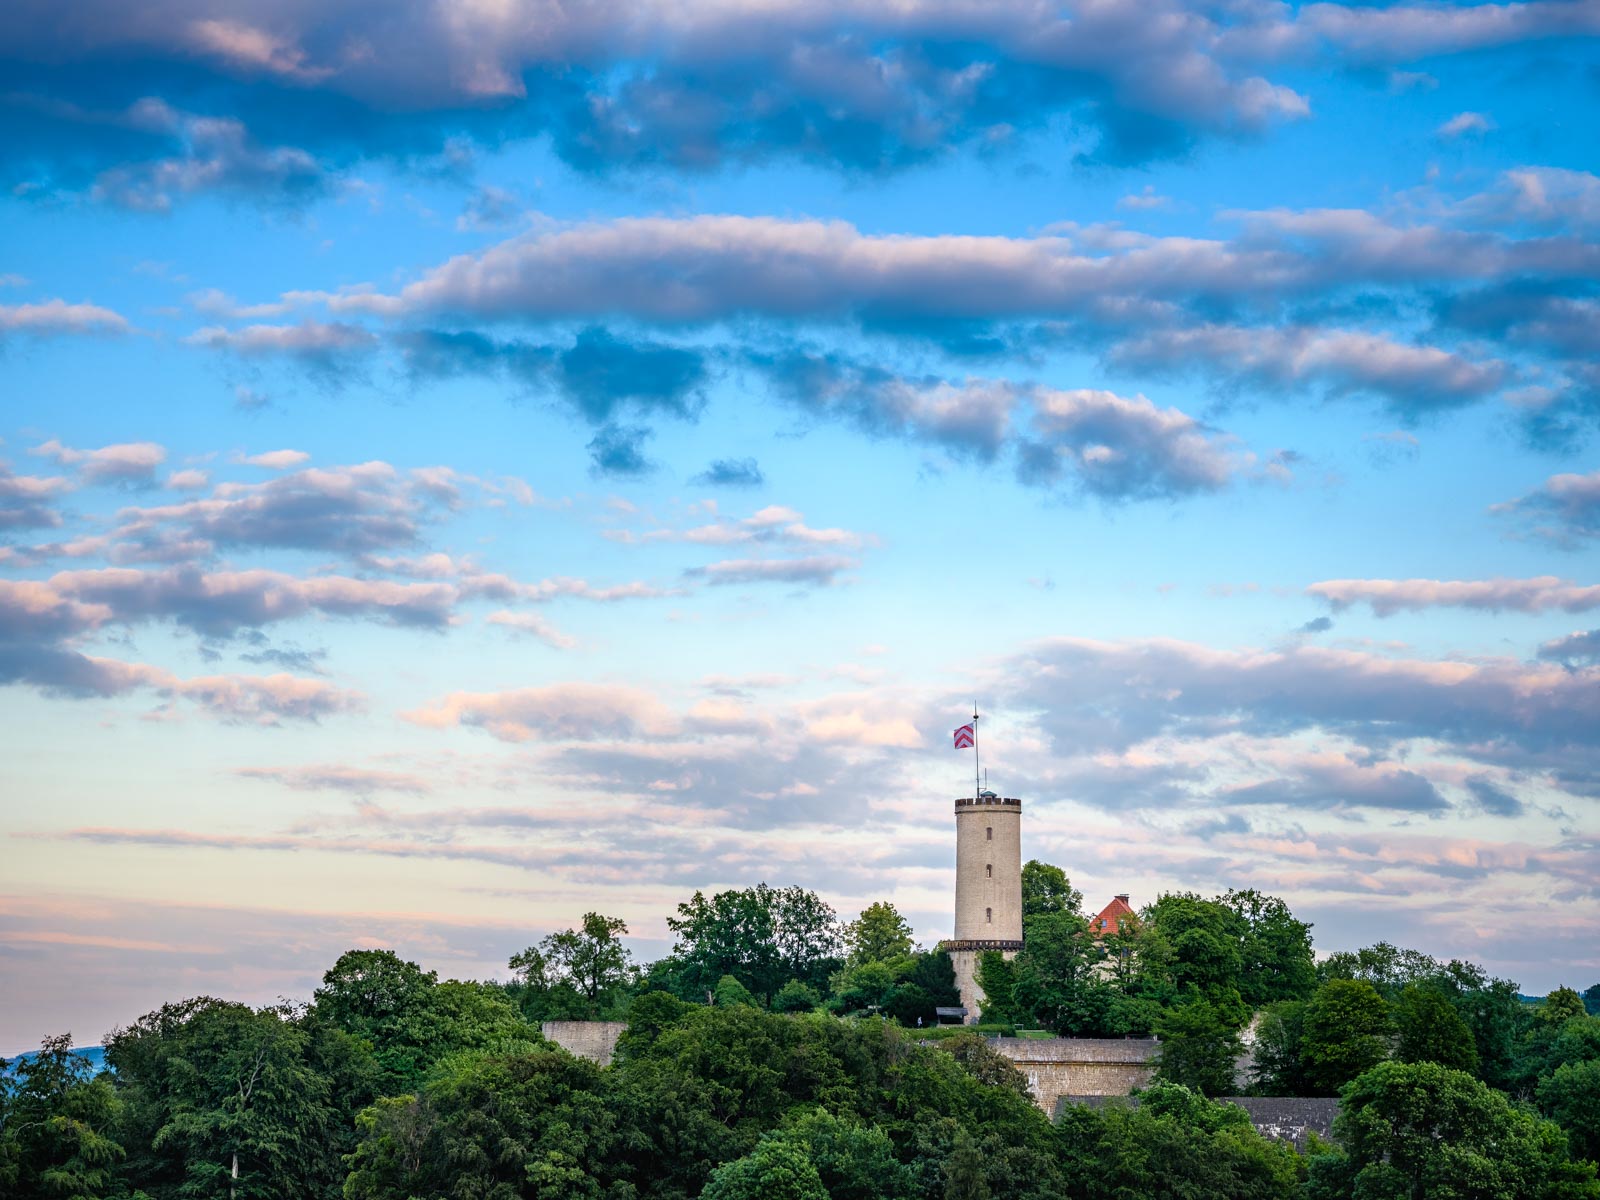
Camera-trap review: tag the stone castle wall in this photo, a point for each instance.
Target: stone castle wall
(1057, 1067)
(594, 1040)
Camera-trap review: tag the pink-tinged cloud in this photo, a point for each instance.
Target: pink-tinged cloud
(188, 480)
(1341, 360)
(774, 524)
(567, 711)
(1101, 694)
(25, 500)
(334, 777)
(1121, 448)
(59, 317)
(222, 602)
(277, 460)
(533, 625)
(1406, 31)
(1388, 596)
(126, 462)
(313, 341)
(357, 509)
(1570, 501)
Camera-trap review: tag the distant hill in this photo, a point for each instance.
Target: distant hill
(96, 1056)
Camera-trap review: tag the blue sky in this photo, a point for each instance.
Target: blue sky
(496, 462)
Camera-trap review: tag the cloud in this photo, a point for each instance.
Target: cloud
(126, 462)
(1401, 32)
(1573, 649)
(772, 525)
(1095, 694)
(277, 460)
(236, 699)
(1493, 799)
(356, 509)
(1413, 379)
(862, 88)
(221, 603)
(59, 317)
(1332, 786)
(533, 625)
(731, 472)
(1316, 625)
(1388, 596)
(1571, 501)
(210, 154)
(313, 343)
(970, 419)
(188, 480)
(357, 781)
(603, 375)
(618, 450)
(822, 570)
(568, 711)
(1121, 448)
(1465, 123)
(25, 500)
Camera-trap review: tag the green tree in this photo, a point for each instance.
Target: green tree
(228, 1100)
(854, 1160)
(410, 1019)
(1385, 966)
(57, 1123)
(1560, 1006)
(867, 986)
(1177, 1145)
(1429, 1029)
(1191, 945)
(1278, 1069)
(588, 964)
(774, 1170)
(879, 934)
(1571, 1097)
(1591, 999)
(1345, 1033)
(1055, 979)
(795, 996)
(535, 1123)
(1275, 950)
(729, 991)
(1200, 1046)
(762, 936)
(1406, 1131)
(1047, 890)
(963, 1170)
(996, 977)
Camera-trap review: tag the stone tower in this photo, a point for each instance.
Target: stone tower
(988, 888)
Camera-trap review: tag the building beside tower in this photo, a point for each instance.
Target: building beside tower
(988, 888)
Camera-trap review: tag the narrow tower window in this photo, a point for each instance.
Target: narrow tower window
(988, 870)
(988, 833)
(988, 915)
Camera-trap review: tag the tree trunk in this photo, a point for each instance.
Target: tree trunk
(234, 1183)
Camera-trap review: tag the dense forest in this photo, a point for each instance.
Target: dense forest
(780, 1053)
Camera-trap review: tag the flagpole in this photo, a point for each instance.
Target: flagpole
(977, 784)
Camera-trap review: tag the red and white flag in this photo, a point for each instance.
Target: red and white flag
(964, 737)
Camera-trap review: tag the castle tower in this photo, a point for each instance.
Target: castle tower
(988, 888)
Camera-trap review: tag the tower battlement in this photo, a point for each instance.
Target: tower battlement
(989, 800)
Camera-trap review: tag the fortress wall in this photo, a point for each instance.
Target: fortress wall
(1057, 1067)
(594, 1040)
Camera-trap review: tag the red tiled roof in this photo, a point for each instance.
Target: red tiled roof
(1111, 917)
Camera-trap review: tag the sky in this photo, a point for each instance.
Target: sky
(470, 463)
